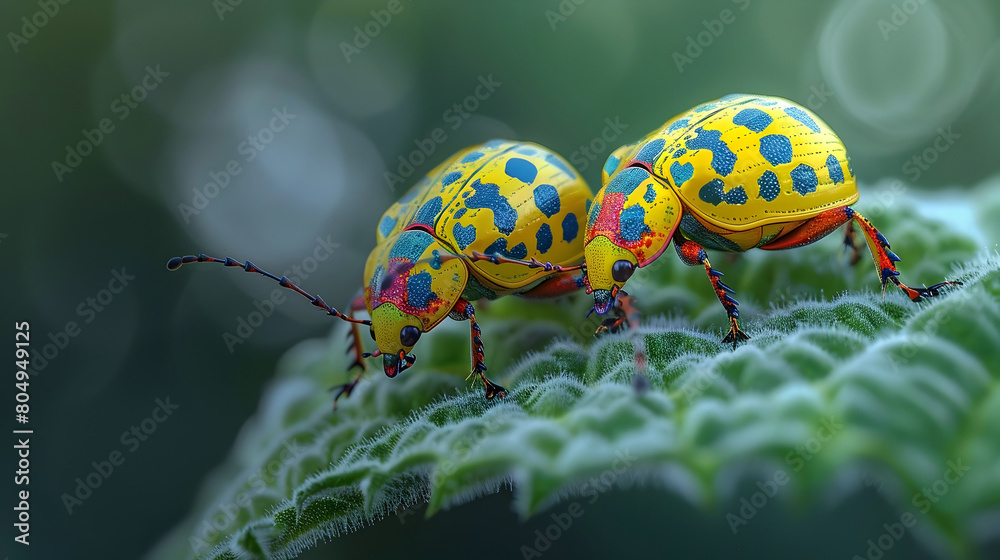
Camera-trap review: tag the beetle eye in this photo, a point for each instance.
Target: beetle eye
(372, 332)
(622, 270)
(409, 335)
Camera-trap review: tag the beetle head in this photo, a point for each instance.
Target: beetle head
(631, 222)
(413, 283)
(608, 268)
(395, 333)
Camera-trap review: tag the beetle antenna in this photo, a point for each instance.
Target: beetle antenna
(177, 262)
(497, 258)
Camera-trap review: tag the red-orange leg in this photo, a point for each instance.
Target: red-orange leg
(812, 230)
(463, 310)
(885, 260)
(558, 284)
(693, 254)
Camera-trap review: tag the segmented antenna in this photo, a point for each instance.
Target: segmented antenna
(177, 262)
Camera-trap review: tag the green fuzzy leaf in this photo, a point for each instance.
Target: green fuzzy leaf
(901, 387)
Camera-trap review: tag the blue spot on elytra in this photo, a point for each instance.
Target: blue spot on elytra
(464, 235)
(592, 215)
(495, 143)
(713, 192)
(526, 150)
(611, 164)
(835, 169)
(418, 290)
(632, 223)
(570, 227)
(754, 119)
(677, 125)
(521, 169)
(428, 212)
(723, 159)
(410, 245)
(776, 149)
(802, 117)
(680, 152)
(499, 247)
(471, 157)
(386, 225)
(650, 195)
(436, 259)
(652, 149)
(461, 212)
(543, 239)
(769, 186)
(681, 173)
(804, 179)
(451, 178)
(736, 196)
(562, 165)
(626, 180)
(488, 196)
(547, 200)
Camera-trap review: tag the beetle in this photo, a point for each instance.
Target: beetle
(504, 198)
(734, 174)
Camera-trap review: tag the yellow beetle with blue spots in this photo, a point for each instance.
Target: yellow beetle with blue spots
(741, 172)
(737, 173)
(509, 200)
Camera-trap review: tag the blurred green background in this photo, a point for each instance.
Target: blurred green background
(195, 157)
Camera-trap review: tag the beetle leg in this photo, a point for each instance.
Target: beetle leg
(556, 285)
(851, 243)
(624, 311)
(811, 231)
(567, 282)
(464, 310)
(345, 389)
(885, 261)
(693, 254)
(358, 304)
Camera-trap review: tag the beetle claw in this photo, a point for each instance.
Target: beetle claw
(493, 390)
(736, 335)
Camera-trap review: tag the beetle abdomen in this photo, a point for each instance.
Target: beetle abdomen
(711, 236)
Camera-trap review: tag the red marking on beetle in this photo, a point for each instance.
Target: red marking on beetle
(608, 220)
(419, 227)
(608, 223)
(691, 253)
(642, 164)
(395, 290)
